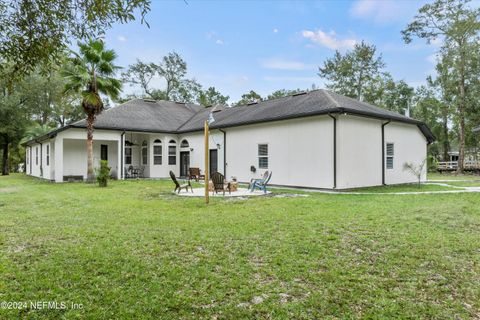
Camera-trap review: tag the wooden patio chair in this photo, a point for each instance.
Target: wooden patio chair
(261, 184)
(219, 183)
(179, 186)
(194, 173)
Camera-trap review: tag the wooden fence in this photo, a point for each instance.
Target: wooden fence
(453, 165)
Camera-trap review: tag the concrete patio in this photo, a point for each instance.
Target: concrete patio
(241, 192)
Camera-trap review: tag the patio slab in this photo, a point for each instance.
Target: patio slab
(241, 192)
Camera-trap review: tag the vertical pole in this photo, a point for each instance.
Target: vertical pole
(207, 178)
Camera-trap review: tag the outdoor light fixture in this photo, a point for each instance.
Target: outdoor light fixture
(219, 146)
(191, 149)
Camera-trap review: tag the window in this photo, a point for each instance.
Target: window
(128, 155)
(263, 156)
(157, 151)
(103, 152)
(26, 155)
(390, 153)
(48, 154)
(184, 144)
(172, 152)
(144, 153)
(36, 156)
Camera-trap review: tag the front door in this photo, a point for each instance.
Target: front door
(213, 161)
(104, 152)
(184, 163)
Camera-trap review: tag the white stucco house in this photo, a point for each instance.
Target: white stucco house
(315, 139)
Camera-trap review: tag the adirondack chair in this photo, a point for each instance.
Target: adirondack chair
(194, 173)
(179, 186)
(219, 183)
(261, 184)
(263, 178)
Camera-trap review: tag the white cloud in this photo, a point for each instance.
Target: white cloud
(280, 64)
(329, 40)
(213, 36)
(275, 30)
(122, 38)
(383, 11)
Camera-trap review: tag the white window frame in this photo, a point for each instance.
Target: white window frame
(389, 156)
(184, 145)
(157, 143)
(36, 155)
(172, 156)
(131, 155)
(144, 156)
(262, 156)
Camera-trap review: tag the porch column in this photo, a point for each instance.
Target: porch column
(58, 159)
(120, 157)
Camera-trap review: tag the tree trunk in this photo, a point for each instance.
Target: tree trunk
(90, 173)
(446, 144)
(461, 112)
(5, 168)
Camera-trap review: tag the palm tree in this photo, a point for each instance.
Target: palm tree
(35, 131)
(91, 72)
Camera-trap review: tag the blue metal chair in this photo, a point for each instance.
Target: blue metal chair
(261, 184)
(263, 178)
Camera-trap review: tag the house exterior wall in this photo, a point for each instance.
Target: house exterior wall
(196, 142)
(359, 152)
(35, 160)
(410, 146)
(71, 155)
(300, 151)
(37, 165)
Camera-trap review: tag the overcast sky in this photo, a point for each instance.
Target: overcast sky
(238, 46)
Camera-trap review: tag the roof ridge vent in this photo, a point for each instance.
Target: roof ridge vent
(299, 93)
(252, 103)
(149, 100)
(177, 102)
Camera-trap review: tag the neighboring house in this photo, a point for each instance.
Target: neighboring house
(317, 139)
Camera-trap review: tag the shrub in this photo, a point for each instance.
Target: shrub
(103, 173)
(416, 170)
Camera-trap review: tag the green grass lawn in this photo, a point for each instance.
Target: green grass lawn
(135, 251)
(452, 176)
(473, 183)
(410, 187)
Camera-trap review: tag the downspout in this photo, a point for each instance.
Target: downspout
(224, 151)
(383, 151)
(334, 151)
(121, 155)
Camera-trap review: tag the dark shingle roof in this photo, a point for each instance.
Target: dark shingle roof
(164, 116)
(145, 115)
(315, 102)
